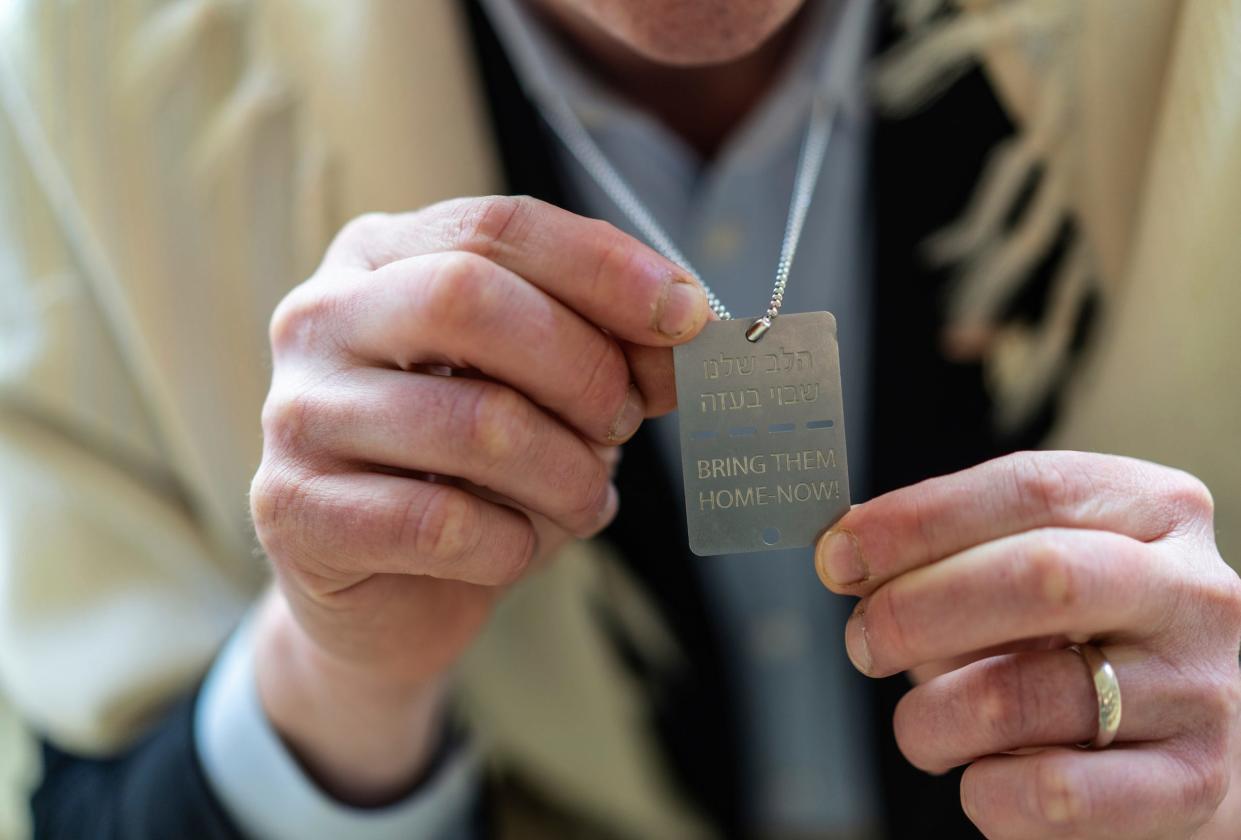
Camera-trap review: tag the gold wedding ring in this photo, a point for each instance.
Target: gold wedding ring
(1107, 691)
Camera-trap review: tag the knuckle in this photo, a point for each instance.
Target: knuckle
(307, 318)
(445, 526)
(998, 699)
(279, 497)
(1215, 785)
(284, 421)
(1190, 497)
(269, 499)
(1219, 699)
(1057, 799)
(455, 291)
(1043, 483)
(291, 422)
(365, 228)
(1216, 601)
(1052, 577)
(497, 425)
(1230, 602)
(511, 567)
(1206, 781)
(483, 225)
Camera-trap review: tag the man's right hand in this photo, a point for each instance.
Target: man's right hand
(448, 392)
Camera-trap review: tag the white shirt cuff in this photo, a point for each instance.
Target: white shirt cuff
(269, 797)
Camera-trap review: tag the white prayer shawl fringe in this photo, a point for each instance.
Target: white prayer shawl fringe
(989, 258)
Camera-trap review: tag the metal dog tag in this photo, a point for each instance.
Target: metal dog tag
(762, 434)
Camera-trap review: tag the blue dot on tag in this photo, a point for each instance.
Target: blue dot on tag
(771, 536)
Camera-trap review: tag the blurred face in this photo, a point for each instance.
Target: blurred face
(683, 32)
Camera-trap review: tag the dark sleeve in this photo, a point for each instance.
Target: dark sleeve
(159, 791)
(155, 791)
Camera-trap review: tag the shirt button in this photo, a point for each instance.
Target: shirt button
(722, 242)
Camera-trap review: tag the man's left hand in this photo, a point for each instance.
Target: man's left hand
(979, 582)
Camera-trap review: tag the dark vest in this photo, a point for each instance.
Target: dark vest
(929, 416)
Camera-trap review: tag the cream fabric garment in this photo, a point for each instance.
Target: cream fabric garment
(1154, 150)
(1165, 380)
(170, 169)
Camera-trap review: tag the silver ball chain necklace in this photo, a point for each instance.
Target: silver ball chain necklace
(762, 433)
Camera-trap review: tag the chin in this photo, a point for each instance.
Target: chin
(689, 32)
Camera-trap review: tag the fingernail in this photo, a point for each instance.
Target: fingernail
(630, 416)
(839, 559)
(856, 644)
(682, 307)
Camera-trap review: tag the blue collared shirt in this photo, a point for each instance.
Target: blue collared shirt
(806, 729)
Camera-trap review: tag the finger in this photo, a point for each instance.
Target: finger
(1040, 583)
(655, 375)
(549, 537)
(1128, 792)
(609, 455)
(461, 311)
(609, 277)
(917, 525)
(370, 523)
(652, 371)
(930, 670)
(1036, 699)
(471, 429)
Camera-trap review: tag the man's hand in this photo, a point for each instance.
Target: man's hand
(448, 392)
(978, 582)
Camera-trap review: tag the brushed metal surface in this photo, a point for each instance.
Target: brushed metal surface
(762, 434)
